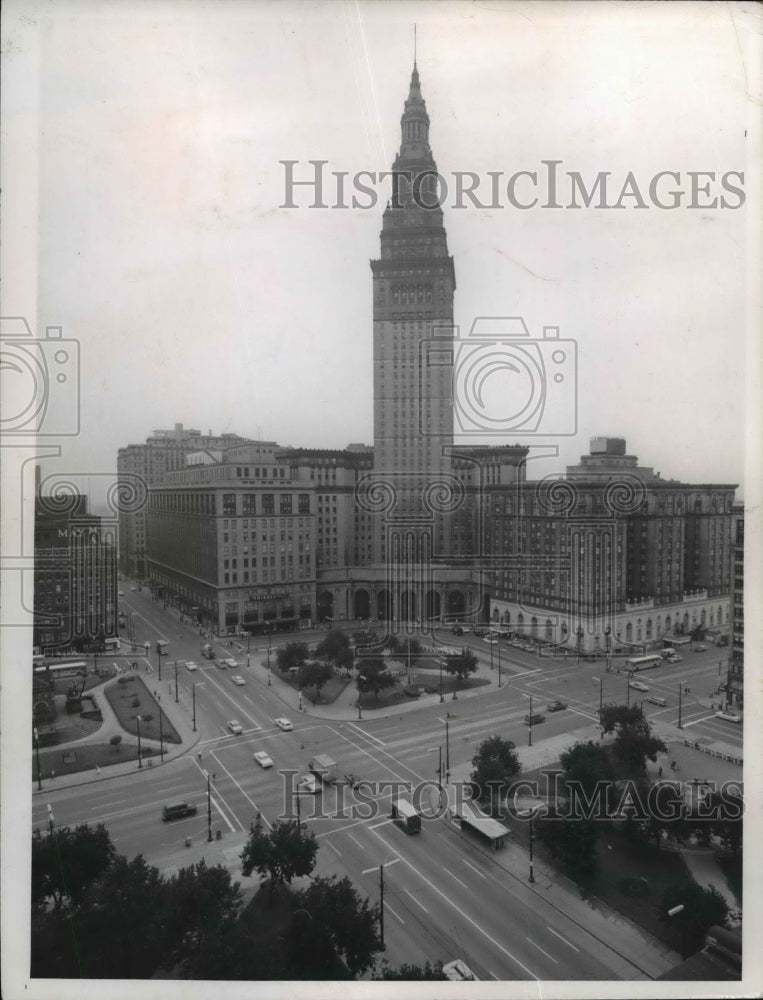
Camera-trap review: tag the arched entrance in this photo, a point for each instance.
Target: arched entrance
(384, 604)
(362, 604)
(432, 604)
(325, 605)
(407, 606)
(456, 603)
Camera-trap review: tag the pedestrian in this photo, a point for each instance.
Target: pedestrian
(199, 755)
(659, 772)
(214, 777)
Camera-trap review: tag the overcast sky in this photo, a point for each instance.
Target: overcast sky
(197, 299)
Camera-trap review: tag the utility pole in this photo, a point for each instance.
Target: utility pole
(499, 662)
(680, 696)
(532, 866)
(381, 905)
(140, 759)
(161, 737)
(176, 682)
(530, 739)
(193, 695)
(209, 810)
(447, 754)
(37, 754)
(442, 696)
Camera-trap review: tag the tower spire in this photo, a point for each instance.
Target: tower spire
(414, 46)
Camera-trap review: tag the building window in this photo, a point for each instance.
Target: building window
(286, 504)
(268, 503)
(229, 503)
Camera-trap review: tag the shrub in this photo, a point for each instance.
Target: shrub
(136, 702)
(115, 740)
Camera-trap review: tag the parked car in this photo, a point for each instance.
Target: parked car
(701, 648)
(489, 639)
(190, 665)
(238, 679)
(263, 759)
(556, 706)
(120, 593)
(308, 785)
(284, 724)
(675, 659)
(230, 662)
(235, 727)
(728, 716)
(534, 719)
(656, 700)
(638, 685)
(480, 632)
(458, 972)
(178, 810)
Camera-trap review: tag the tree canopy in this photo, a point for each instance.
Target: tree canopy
(702, 909)
(293, 654)
(495, 763)
(65, 864)
(316, 675)
(330, 647)
(281, 854)
(374, 676)
(461, 665)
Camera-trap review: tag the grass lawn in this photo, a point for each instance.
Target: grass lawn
(397, 696)
(86, 757)
(129, 697)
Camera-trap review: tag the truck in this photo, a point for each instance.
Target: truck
(324, 767)
(208, 652)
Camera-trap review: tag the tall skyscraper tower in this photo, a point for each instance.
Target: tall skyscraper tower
(413, 285)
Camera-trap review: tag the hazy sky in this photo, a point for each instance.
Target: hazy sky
(197, 299)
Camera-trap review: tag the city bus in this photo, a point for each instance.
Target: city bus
(111, 645)
(405, 815)
(61, 669)
(644, 662)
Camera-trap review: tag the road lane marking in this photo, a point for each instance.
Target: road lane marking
(465, 916)
(218, 806)
(416, 900)
(334, 848)
(388, 907)
(368, 736)
(541, 949)
(561, 938)
(375, 868)
(356, 841)
(248, 798)
(383, 823)
(695, 721)
(475, 870)
(493, 975)
(456, 878)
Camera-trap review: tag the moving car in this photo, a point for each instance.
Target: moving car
(120, 593)
(178, 810)
(230, 662)
(675, 659)
(238, 679)
(656, 700)
(284, 724)
(458, 972)
(308, 785)
(133, 588)
(263, 759)
(490, 639)
(191, 666)
(638, 685)
(556, 706)
(534, 719)
(728, 716)
(701, 648)
(235, 727)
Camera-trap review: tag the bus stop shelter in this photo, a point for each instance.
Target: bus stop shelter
(491, 830)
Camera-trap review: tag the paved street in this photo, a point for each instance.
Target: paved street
(445, 894)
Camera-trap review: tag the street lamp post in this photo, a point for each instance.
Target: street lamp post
(176, 684)
(680, 705)
(50, 818)
(492, 667)
(193, 695)
(447, 753)
(37, 754)
(439, 766)
(601, 701)
(209, 809)
(530, 730)
(361, 677)
(499, 662)
(628, 692)
(532, 839)
(442, 696)
(159, 658)
(674, 912)
(140, 759)
(161, 737)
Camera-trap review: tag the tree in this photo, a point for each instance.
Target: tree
(67, 862)
(345, 660)
(702, 909)
(374, 676)
(200, 901)
(426, 972)
(335, 641)
(120, 922)
(461, 665)
(635, 742)
(115, 740)
(283, 853)
(495, 764)
(293, 654)
(332, 921)
(316, 675)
